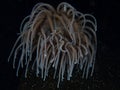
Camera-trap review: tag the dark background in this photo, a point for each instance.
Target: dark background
(107, 67)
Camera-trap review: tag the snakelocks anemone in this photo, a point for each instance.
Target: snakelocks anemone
(56, 38)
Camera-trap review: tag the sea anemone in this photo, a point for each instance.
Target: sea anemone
(59, 38)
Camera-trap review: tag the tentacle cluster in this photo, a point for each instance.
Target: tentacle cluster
(58, 38)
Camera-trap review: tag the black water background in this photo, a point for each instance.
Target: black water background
(107, 67)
